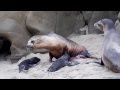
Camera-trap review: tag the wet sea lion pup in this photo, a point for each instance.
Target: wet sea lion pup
(28, 63)
(64, 60)
(60, 62)
(111, 44)
(57, 45)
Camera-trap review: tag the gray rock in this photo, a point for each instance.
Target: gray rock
(17, 35)
(67, 21)
(98, 15)
(80, 23)
(41, 22)
(87, 15)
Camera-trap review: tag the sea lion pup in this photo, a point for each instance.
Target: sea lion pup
(111, 44)
(57, 45)
(64, 60)
(28, 63)
(60, 62)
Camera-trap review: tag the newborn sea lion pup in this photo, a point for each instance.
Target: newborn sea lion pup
(59, 63)
(26, 64)
(111, 44)
(57, 45)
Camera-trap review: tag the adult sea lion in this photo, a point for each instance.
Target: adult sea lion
(57, 45)
(111, 44)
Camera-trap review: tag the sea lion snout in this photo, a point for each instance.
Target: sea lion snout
(29, 46)
(98, 25)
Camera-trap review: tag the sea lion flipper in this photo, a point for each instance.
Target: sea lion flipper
(50, 57)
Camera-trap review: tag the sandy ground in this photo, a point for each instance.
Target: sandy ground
(82, 71)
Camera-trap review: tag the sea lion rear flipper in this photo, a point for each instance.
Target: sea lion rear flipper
(59, 63)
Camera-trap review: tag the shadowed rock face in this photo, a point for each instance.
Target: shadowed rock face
(43, 22)
(15, 33)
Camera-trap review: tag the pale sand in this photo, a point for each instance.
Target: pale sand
(82, 71)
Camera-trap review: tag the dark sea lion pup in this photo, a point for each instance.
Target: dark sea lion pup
(26, 64)
(111, 44)
(60, 62)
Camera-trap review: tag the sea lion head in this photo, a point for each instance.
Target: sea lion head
(35, 41)
(104, 24)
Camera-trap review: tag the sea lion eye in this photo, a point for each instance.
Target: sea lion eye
(32, 41)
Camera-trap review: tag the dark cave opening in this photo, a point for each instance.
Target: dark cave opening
(5, 45)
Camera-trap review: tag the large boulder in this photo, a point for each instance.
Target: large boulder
(87, 16)
(80, 23)
(15, 33)
(68, 22)
(98, 15)
(41, 22)
(19, 16)
(61, 22)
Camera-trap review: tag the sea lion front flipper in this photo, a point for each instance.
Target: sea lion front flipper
(50, 57)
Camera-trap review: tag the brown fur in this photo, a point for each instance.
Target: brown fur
(57, 45)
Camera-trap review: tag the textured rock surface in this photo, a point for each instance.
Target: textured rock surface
(16, 34)
(41, 22)
(98, 15)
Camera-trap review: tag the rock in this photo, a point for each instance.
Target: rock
(17, 35)
(118, 16)
(98, 15)
(67, 22)
(84, 30)
(87, 16)
(80, 23)
(41, 22)
(19, 16)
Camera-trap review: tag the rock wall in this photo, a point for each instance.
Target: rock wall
(29, 23)
(61, 22)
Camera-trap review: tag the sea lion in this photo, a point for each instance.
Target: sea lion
(60, 62)
(111, 44)
(64, 60)
(57, 45)
(28, 63)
